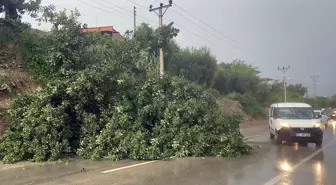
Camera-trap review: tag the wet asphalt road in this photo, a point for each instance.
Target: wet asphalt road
(282, 165)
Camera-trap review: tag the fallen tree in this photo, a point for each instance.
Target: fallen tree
(99, 101)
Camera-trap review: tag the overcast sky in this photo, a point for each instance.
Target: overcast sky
(269, 33)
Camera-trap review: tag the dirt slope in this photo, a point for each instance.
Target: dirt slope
(13, 81)
(230, 107)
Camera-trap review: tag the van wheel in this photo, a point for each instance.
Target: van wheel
(271, 135)
(278, 138)
(318, 143)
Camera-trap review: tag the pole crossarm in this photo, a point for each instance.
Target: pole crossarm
(284, 79)
(160, 14)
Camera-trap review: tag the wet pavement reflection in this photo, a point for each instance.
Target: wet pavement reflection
(288, 155)
(266, 166)
(320, 170)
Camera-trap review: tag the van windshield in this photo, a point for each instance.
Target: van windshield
(294, 113)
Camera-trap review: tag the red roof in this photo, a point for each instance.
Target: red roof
(115, 33)
(266, 79)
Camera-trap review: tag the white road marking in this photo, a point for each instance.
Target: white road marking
(254, 136)
(130, 166)
(282, 175)
(134, 165)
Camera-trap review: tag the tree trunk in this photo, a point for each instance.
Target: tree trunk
(9, 9)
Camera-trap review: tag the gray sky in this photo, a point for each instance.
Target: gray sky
(298, 33)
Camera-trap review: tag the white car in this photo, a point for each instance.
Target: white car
(295, 122)
(318, 112)
(324, 119)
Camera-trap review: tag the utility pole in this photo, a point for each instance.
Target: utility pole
(314, 78)
(306, 93)
(284, 80)
(134, 22)
(96, 21)
(160, 14)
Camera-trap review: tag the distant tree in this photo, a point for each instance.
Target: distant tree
(151, 40)
(221, 79)
(197, 65)
(14, 9)
(237, 76)
(332, 101)
(297, 88)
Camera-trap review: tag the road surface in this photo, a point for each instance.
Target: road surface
(281, 165)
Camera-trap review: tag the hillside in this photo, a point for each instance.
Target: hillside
(13, 81)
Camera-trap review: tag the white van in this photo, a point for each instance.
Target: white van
(294, 122)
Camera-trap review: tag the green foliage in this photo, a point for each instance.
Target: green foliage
(332, 102)
(10, 30)
(319, 102)
(151, 40)
(297, 88)
(36, 132)
(99, 101)
(14, 9)
(151, 120)
(235, 77)
(197, 65)
(170, 118)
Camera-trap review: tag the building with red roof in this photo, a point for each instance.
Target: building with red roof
(266, 79)
(105, 30)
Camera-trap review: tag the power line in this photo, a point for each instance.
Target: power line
(208, 25)
(124, 9)
(234, 44)
(160, 14)
(88, 5)
(137, 4)
(150, 21)
(204, 29)
(96, 7)
(112, 7)
(62, 7)
(193, 33)
(237, 45)
(181, 27)
(144, 19)
(121, 8)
